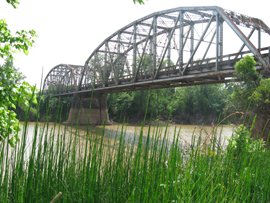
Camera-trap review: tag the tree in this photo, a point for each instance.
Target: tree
(202, 103)
(260, 99)
(14, 3)
(246, 71)
(10, 44)
(13, 90)
(252, 95)
(138, 1)
(247, 80)
(261, 96)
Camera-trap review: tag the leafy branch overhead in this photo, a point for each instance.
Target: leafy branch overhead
(14, 91)
(138, 1)
(10, 44)
(14, 3)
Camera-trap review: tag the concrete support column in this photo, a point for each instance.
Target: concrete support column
(89, 111)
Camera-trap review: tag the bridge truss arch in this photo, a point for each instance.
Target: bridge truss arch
(175, 47)
(63, 78)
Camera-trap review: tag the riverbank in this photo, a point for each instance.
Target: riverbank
(155, 167)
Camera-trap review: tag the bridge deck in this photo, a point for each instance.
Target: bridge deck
(201, 72)
(160, 50)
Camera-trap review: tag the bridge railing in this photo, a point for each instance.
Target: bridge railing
(196, 67)
(226, 62)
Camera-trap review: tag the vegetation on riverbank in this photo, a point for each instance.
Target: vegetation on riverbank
(14, 91)
(61, 164)
(198, 104)
(151, 168)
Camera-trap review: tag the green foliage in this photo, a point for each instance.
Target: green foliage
(242, 142)
(249, 79)
(10, 44)
(261, 96)
(86, 167)
(137, 105)
(204, 102)
(178, 103)
(251, 95)
(53, 109)
(138, 1)
(252, 92)
(13, 92)
(14, 3)
(246, 71)
(185, 105)
(120, 104)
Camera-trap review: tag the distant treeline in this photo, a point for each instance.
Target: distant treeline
(202, 104)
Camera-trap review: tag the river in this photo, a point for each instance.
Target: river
(131, 132)
(60, 136)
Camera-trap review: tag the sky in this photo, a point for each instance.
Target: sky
(68, 31)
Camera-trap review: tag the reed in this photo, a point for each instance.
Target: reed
(64, 164)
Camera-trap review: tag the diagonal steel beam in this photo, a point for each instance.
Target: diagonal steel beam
(167, 46)
(153, 47)
(115, 70)
(198, 44)
(259, 38)
(182, 44)
(144, 48)
(242, 47)
(241, 35)
(134, 57)
(208, 47)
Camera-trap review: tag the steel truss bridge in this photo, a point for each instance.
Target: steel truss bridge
(176, 47)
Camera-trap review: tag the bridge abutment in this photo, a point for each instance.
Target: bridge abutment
(89, 111)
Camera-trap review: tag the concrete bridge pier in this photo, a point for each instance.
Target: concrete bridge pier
(89, 111)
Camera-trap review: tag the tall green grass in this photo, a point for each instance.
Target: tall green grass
(150, 168)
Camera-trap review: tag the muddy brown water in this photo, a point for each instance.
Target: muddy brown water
(132, 132)
(110, 134)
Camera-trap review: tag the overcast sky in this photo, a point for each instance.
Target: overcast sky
(68, 31)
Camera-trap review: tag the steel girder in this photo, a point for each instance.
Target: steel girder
(171, 45)
(165, 44)
(62, 78)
